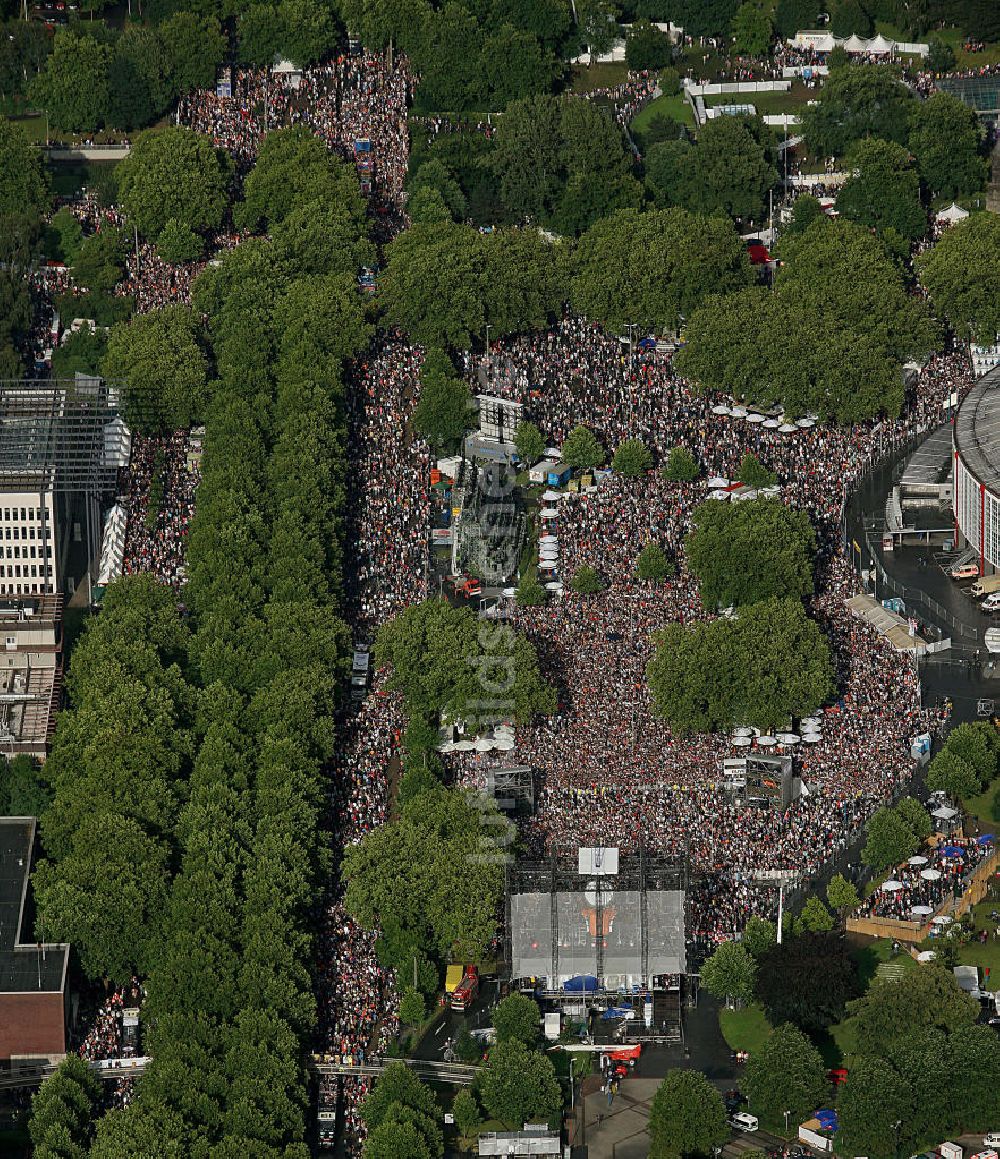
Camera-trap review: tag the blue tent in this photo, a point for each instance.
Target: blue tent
(581, 983)
(953, 851)
(984, 839)
(616, 1012)
(647, 343)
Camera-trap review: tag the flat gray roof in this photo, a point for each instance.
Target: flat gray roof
(977, 431)
(25, 966)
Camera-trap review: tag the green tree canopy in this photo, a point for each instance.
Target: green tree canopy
(928, 998)
(807, 980)
(753, 473)
(653, 564)
(73, 86)
(883, 190)
(857, 102)
(786, 1074)
(586, 581)
(944, 138)
(654, 267)
(841, 894)
(23, 185)
(752, 29)
(726, 171)
(529, 442)
(517, 1017)
(519, 1085)
(646, 47)
(437, 871)
(759, 935)
(681, 466)
(158, 356)
(962, 276)
(831, 337)
(195, 48)
(775, 544)
(174, 173)
(730, 973)
(582, 449)
(950, 772)
(633, 457)
(815, 917)
(977, 744)
(294, 168)
(442, 415)
(687, 1117)
(890, 840)
(916, 817)
(561, 162)
(63, 1109)
(442, 665)
(770, 663)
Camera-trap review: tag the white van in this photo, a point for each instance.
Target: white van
(743, 1121)
(992, 1140)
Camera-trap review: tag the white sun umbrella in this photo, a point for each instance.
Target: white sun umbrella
(942, 920)
(749, 493)
(787, 429)
(548, 537)
(755, 418)
(891, 886)
(718, 494)
(509, 593)
(770, 492)
(917, 859)
(739, 412)
(549, 548)
(550, 494)
(550, 512)
(931, 874)
(554, 587)
(803, 424)
(926, 956)
(770, 424)
(484, 745)
(788, 738)
(921, 911)
(464, 746)
(552, 453)
(742, 742)
(502, 730)
(811, 737)
(447, 747)
(742, 731)
(811, 722)
(766, 742)
(716, 481)
(504, 744)
(721, 409)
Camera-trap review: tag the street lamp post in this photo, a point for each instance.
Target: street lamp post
(786, 1114)
(895, 1126)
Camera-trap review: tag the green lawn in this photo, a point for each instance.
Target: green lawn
(675, 107)
(979, 807)
(598, 76)
(768, 104)
(747, 1029)
(955, 37)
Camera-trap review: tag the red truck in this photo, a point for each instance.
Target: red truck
(466, 991)
(467, 586)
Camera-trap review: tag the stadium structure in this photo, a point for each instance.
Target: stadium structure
(976, 448)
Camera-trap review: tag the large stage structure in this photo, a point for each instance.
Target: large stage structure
(598, 919)
(62, 443)
(976, 436)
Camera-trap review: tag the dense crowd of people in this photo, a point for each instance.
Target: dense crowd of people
(610, 772)
(157, 490)
(926, 881)
(358, 97)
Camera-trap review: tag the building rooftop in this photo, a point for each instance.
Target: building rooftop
(25, 967)
(977, 431)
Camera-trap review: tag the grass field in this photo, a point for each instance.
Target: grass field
(598, 76)
(675, 107)
(747, 1029)
(768, 104)
(979, 807)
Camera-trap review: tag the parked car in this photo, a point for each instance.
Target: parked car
(964, 571)
(991, 603)
(744, 1121)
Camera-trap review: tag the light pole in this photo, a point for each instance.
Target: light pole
(895, 1126)
(487, 355)
(786, 1114)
